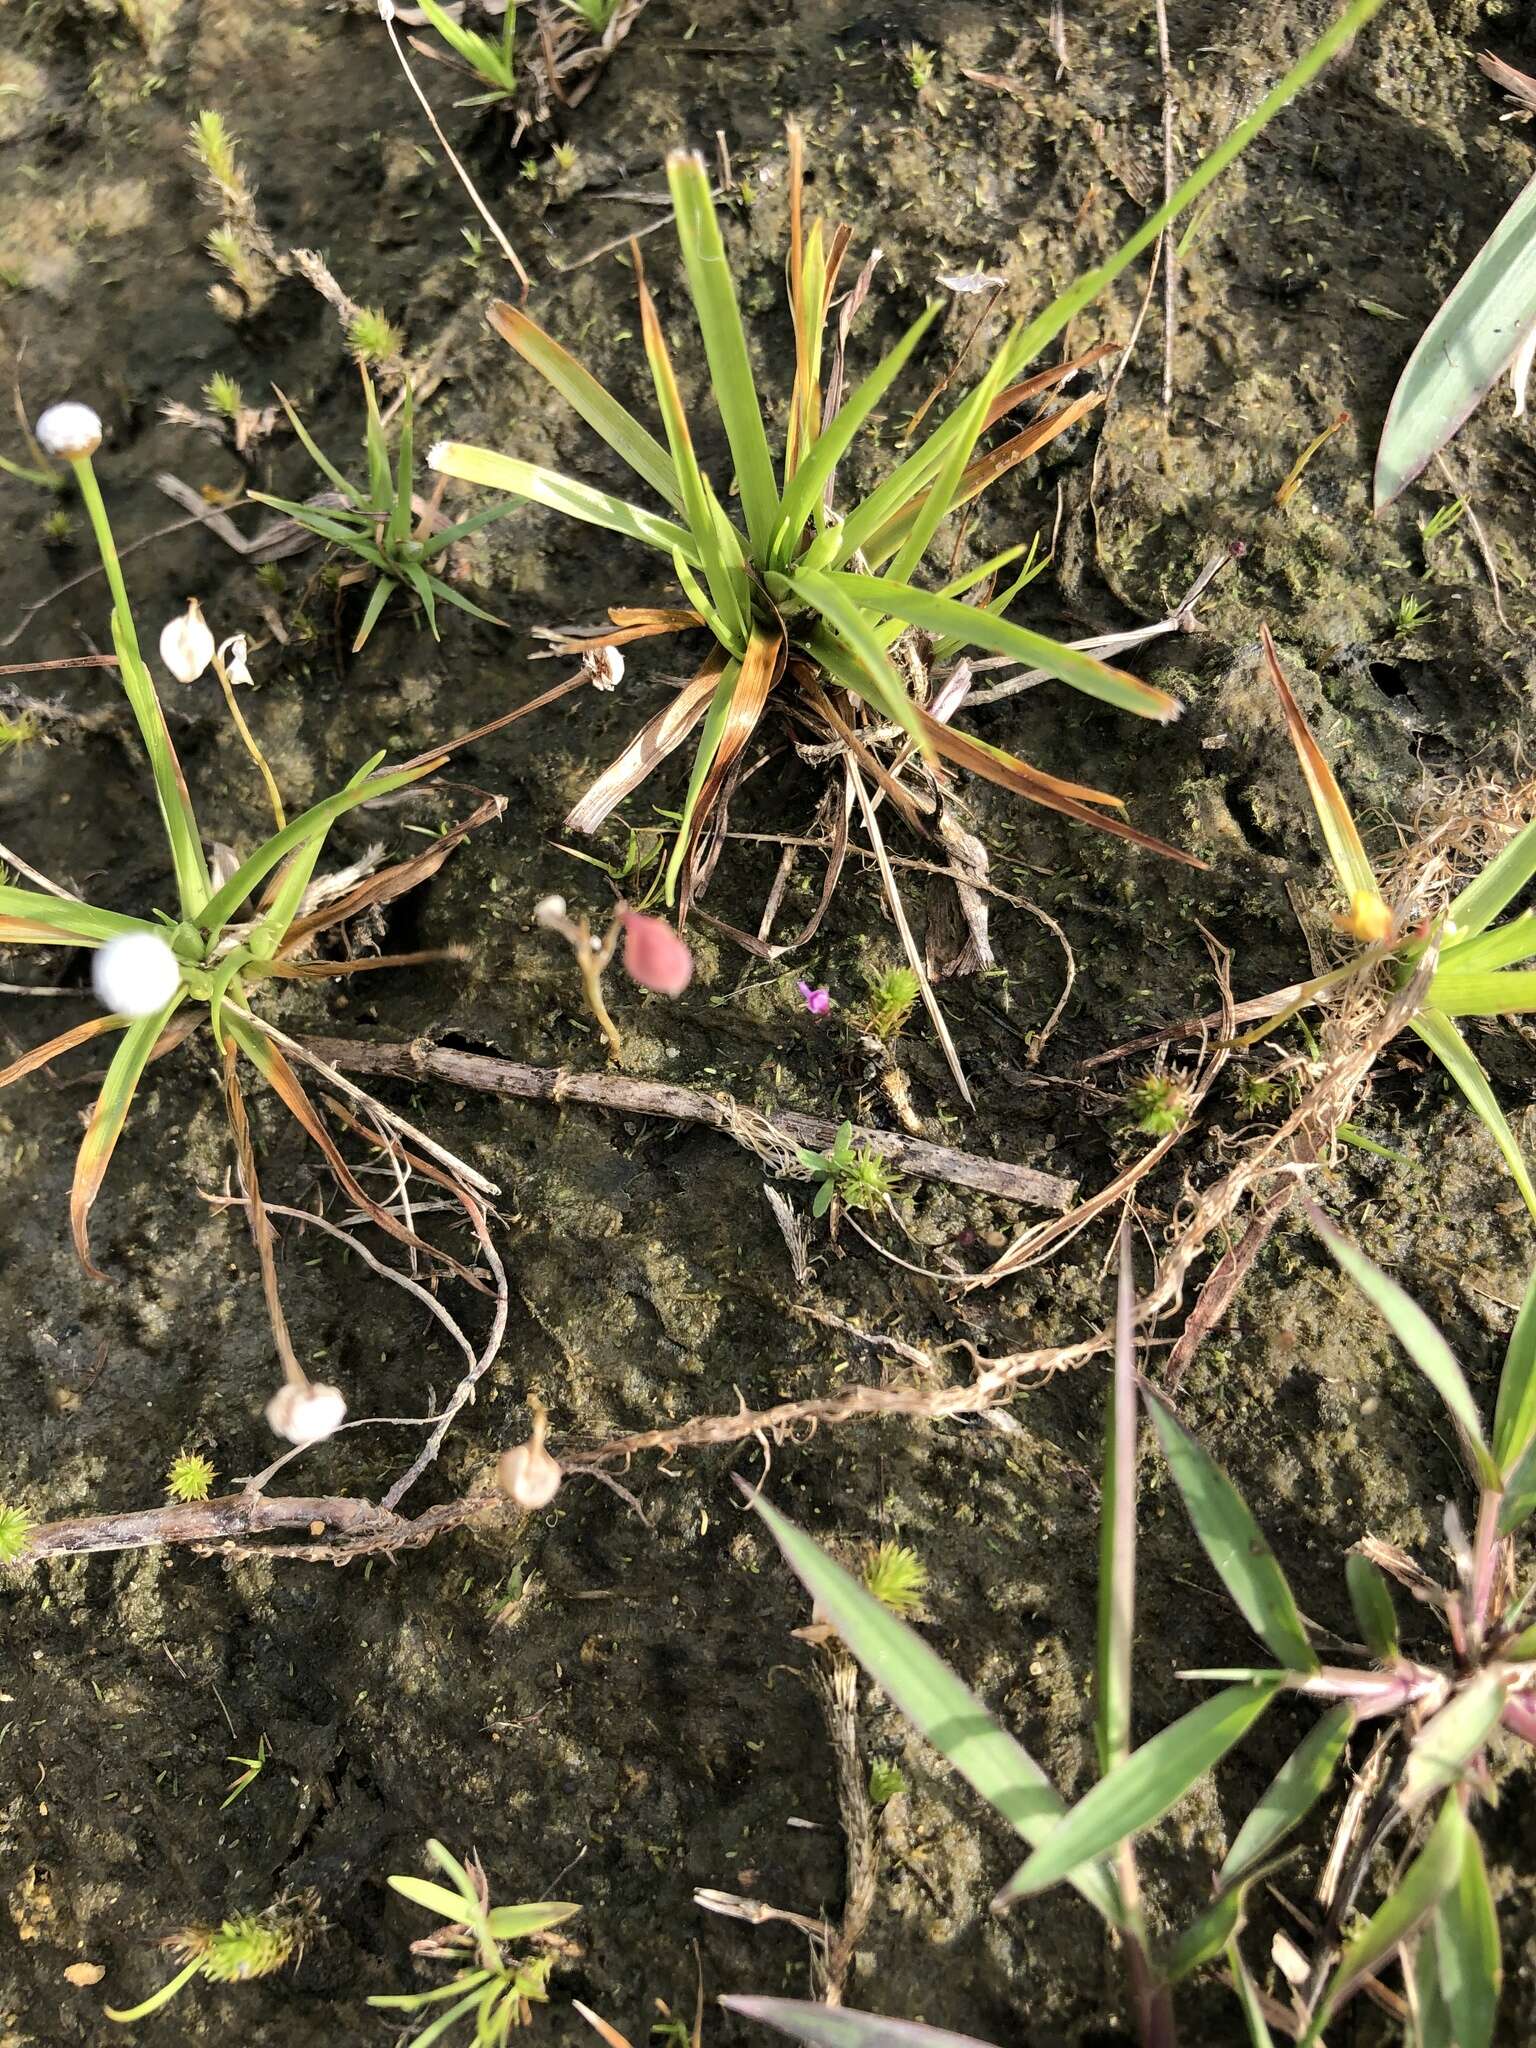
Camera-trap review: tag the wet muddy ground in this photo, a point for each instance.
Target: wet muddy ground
(643, 1728)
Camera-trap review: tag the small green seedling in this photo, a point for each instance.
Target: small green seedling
(378, 524)
(1411, 614)
(248, 1946)
(852, 1174)
(897, 1577)
(893, 996)
(190, 1477)
(885, 1782)
(254, 1766)
(595, 13)
(1157, 1104)
(488, 1990)
(16, 1525)
(490, 60)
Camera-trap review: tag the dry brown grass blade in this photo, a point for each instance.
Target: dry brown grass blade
(761, 667)
(1345, 849)
(903, 799)
(390, 882)
(595, 2020)
(24, 931)
(256, 1214)
(658, 738)
(1045, 380)
(1009, 772)
(66, 1041)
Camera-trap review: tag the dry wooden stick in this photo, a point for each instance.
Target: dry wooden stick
(774, 1136)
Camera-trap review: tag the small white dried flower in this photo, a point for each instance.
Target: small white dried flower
(436, 453)
(548, 911)
(135, 974)
(232, 653)
(966, 281)
(604, 667)
(186, 645)
(69, 431)
(527, 1473)
(306, 1415)
(386, 10)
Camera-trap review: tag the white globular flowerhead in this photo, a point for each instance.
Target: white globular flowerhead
(549, 911)
(306, 1415)
(527, 1474)
(604, 667)
(69, 431)
(135, 975)
(186, 645)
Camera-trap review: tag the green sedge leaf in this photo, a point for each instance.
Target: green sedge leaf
(1495, 888)
(516, 1923)
(1463, 352)
(445, 536)
(405, 463)
(937, 1704)
(565, 494)
(1465, 1933)
(836, 2026)
(1505, 946)
(1248, 1998)
(1423, 1885)
(60, 915)
(1432, 2023)
(975, 627)
(931, 513)
(715, 720)
(435, 1897)
(581, 391)
(1465, 1069)
(1372, 1601)
(1419, 1338)
(725, 345)
(1290, 1795)
(1459, 992)
(1117, 1533)
(804, 492)
(1519, 1500)
(378, 597)
(1141, 1791)
(317, 454)
(1206, 1936)
(1234, 1543)
(883, 683)
(134, 1050)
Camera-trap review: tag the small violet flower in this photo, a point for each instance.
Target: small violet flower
(816, 1000)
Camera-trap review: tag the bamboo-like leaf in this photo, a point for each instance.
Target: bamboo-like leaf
(565, 494)
(516, 1923)
(1234, 1543)
(630, 441)
(1139, 1792)
(975, 628)
(1419, 1338)
(1117, 1531)
(1290, 1795)
(1495, 888)
(40, 1055)
(1423, 1885)
(1372, 1601)
(1465, 1933)
(1465, 1069)
(803, 493)
(655, 740)
(836, 2026)
(1211, 1931)
(107, 1119)
(936, 1703)
(1463, 352)
(725, 345)
(1355, 874)
(1445, 1746)
(726, 577)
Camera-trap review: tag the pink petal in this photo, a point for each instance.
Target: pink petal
(655, 956)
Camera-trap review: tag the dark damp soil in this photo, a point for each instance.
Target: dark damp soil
(643, 1728)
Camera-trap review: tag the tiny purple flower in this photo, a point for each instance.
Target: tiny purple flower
(816, 1000)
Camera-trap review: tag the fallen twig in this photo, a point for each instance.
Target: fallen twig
(773, 1137)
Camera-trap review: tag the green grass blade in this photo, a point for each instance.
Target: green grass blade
(1466, 1938)
(592, 401)
(1206, 1936)
(491, 60)
(1372, 1602)
(93, 925)
(399, 526)
(1423, 1885)
(1117, 1533)
(1519, 1492)
(1465, 1069)
(381, 490)
(447, 535)
(1514, 1414)
(1419, 1338)
(804, 492)
(132, 1056)
(1463, 352)
(1141, 1791)
(331, 525)
(561, 494)
(1456, 993)
(1290, 1795)
(378, 597)
(317, 454)
(222, 907)
(936, 1703)
(835, 2026)
(288, 895)
(1495, 888)
(725, 345)
(946, 482)
(1445, 1746)
(974, 627)
(840, 610)
(1432, 2023)
(1248, 1998)
(1234, 1543)
(516, 1923)
(1506, 947)
(435, 1897)
(156, 1998)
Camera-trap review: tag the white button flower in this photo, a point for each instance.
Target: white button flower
(135, 975)
(69, 431)
(306, 1415)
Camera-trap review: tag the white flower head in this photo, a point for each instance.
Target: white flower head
(548, 911)
(232, 653)
(186, 645)
(604, 667)
(135, 974)
(70, 431)
(527, 1473)
(436, 454)
(306, 1415)
(386, 10)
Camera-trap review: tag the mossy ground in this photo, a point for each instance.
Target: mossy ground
(642, 1731)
